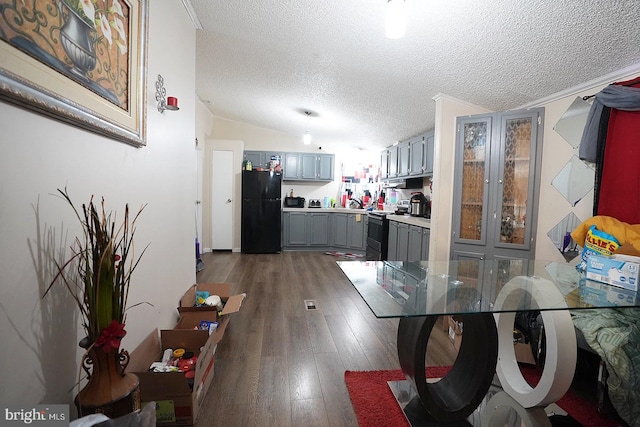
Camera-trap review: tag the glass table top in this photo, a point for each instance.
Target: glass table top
(404, 289)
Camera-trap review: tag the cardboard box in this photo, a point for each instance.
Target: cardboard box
(596, 293)
(615, 270)
(232, 303)
(455, 332)
(176, 403)
(523, 353)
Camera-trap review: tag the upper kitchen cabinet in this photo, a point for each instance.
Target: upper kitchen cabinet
(384, 164)
(497, 170)
(308, 167)
(263, 158)
(404, 158)
(393, 162)
(408, 159)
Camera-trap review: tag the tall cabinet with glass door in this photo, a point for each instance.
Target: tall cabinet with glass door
(497, 183)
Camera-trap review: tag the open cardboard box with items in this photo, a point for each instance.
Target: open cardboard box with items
(178, 400)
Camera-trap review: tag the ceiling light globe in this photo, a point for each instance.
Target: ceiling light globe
(306, 138)
(396, 19)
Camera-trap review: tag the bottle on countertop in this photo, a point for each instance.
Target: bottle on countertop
(291, 193)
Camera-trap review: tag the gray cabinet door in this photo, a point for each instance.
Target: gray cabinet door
(291, 166)
(403, 158)
(497, 172)
(417, 156)
(403, 242)
(393, 162)
(415, 243)
(255, 157)
(429, 148)
(296, 229)
(340, 230)
(426, 236)
(384, 164)
(325, 167)
(319, 229)
(309, 164)
(392, 249)
(356, 232)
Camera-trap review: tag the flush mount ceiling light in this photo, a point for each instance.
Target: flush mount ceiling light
(396, 19)
(306, 138)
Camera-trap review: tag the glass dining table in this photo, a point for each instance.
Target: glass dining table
(485, 296)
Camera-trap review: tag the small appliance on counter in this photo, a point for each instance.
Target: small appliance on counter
(356, 204)
(294, 202)
(419, 205)
(315, 203)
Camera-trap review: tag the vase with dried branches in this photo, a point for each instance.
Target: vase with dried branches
(98, 274)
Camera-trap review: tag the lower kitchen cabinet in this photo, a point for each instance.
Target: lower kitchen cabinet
(318, 226)
(295, 229)
(402, 252)
(323, 231)
(408, 242)
(350, 231)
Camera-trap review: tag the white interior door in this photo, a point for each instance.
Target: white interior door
(199, 167)
(222, 200)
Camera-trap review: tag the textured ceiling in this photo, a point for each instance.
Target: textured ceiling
(264, 62)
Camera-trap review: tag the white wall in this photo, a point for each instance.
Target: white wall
(40, 336)
(556, 152)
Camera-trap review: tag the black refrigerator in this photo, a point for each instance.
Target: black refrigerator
(261, 212)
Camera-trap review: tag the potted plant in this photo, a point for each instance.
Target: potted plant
(98, 275)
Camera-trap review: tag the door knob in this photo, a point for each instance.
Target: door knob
(228, 200)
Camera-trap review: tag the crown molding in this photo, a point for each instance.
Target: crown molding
(621, 74)
(192, 14)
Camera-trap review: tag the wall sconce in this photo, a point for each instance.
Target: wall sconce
(170, 103)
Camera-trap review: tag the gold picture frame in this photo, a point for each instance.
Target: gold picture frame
(78, 61)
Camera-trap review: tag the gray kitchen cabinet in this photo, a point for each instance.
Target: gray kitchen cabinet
(262, 158)
(409, 159)
(392, 243)
(340, 227)
(404, 164)
(318, 225)
(308, 167)
(384, 164)
(326, 164)
(309, 163)
(357, 232)
(393, 161)
(414, 252)
(350, 231)
(417, 156)
(496, 186)
(426, 236)
(429, 148)
(402, 250)
(407, 242)
(292, 168)
(295, 229)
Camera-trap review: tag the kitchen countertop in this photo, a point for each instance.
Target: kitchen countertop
(407, 219)
(339, 210)
(411, 220)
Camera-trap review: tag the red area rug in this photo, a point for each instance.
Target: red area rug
(375, 404)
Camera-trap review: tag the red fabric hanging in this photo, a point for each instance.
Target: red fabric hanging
(619, 191)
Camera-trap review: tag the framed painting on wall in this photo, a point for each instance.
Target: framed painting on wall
(79, 61)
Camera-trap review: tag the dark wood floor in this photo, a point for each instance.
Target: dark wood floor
(280, 364)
